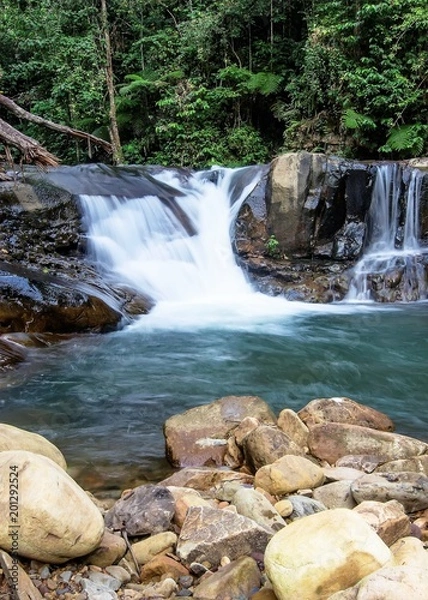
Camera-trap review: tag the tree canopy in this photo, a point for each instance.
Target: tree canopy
(196, 83)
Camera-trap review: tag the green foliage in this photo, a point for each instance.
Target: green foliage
(272, 248)
(231, 82)
(407, 140)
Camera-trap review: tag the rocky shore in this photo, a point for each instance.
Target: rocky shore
(326, 503)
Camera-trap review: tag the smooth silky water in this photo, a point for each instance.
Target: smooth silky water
(102, 399)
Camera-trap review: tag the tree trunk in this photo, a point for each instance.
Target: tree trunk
(30, 149)
(24, 114)
(113, 128)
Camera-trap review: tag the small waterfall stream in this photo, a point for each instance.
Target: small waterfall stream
(393, 256)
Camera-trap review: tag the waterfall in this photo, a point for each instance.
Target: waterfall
(391, 268)
(177, 250)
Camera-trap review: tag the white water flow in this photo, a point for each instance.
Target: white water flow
(142, 242)
(392, 235)
(192, 277)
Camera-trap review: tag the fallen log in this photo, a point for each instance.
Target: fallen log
(18, 111)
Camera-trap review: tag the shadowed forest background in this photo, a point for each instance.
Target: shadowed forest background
(232, 82)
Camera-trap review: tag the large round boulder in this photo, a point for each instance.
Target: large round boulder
(44, 514)
(316, 556)
(13, 438)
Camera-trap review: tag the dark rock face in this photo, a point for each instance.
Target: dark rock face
(46, 284)
(317, 210)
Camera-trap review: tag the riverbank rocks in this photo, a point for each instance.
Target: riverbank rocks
(238, 579)
(322, 554)
(331, 441)
(13, 438)
(144, 510)
(265, 444)
(388, 519)
(198, 437)
(288, 474)
(254, 505)
(344, 410)
(209, 534)
(410, 489)
(57, 520)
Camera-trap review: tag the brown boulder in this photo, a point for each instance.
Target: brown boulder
(344, 410)
(266, 444)
(331, 441)
(198, 437)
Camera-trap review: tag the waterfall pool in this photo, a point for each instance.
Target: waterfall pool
(103, 399)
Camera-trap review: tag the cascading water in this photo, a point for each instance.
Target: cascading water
(146, 244)
(392, 268)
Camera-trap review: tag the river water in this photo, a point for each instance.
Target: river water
(103, 399)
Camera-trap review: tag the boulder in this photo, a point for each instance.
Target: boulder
(208, 534)
(160, 543)
(13, 438)
(111, 550)
(409, 552)
(238, 579)
(160, 567)
(331, 441)
(410, 489)
(335, 495)
(144, 510)
(417, 464)
(289, 474)
(57, 521)
(392, 583)
(265, 444)
(290, 423)
(388, 519)
(254, 505)
(183, 499)
(361, 462)
(302, 506)
(323, 554)
(344, 410)
(199, 436)
(205, 478)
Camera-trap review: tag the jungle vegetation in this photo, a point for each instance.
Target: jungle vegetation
(231, 82)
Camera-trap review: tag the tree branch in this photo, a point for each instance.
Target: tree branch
(12, 107)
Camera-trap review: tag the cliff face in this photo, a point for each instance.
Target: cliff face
(304, 239)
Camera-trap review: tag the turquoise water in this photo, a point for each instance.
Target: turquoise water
(103, 399)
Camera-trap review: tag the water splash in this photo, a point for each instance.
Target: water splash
(393, 255)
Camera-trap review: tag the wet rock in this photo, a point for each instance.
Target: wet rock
(205, 478)
(160, 543)
(11, 354)
(388, 519)
(331, 441)
(13, 438)
(344, 410)
(199, 436)
(239, 579)
(110, 550)
(322, 554)
(335, 495)
(288, 474)
(410, 489)
(208, 534)
(265, 444)
(254, 505)
(57, 520)
(144, 510)
(290, 423)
